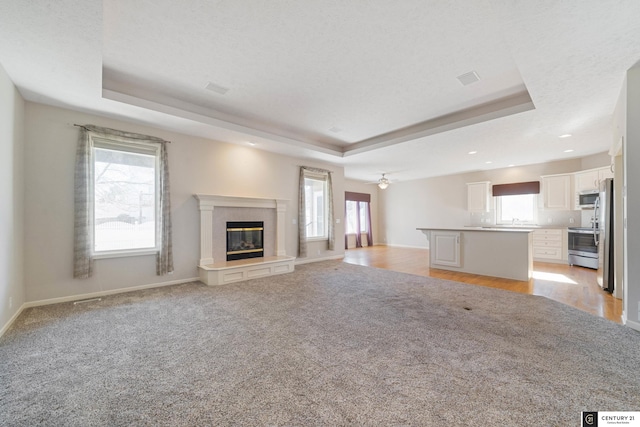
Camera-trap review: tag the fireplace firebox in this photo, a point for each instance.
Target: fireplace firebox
(244, 239)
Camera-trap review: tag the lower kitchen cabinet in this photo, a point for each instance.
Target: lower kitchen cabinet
(445, 248)
(549, 245)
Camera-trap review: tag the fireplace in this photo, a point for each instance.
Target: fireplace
(244, 239)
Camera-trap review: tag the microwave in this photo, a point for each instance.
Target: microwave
(587, 199)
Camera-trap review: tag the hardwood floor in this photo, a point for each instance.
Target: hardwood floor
(571, 285)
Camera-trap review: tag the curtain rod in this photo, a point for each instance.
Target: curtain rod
(85, 128)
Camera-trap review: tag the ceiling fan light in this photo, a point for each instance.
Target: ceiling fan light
(383, 182)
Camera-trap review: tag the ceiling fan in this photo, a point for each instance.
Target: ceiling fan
(382, 183)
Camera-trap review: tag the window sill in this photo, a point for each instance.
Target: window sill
(124, 254)
(317, 239)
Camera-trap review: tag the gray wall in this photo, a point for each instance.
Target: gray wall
(11, 200)
(196, 166)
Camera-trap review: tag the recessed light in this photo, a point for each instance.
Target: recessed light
(251, 143)
(568, 151)
(473, 152)
(566, 135)
(488, 162)
(511, 166)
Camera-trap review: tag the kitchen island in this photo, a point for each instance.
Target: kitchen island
(488, 251)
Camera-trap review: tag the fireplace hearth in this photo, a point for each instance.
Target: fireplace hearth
(244, 240)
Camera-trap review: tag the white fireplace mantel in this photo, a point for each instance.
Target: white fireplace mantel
(213, 273)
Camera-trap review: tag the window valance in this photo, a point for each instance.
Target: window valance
(357, 197)
(531, 187)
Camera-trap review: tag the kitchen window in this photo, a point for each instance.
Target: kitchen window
(517, 209)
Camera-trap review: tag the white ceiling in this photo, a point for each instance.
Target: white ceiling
(370, 85)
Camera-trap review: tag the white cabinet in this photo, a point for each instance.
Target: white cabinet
(556, 192)
(444, 248)
(548, 244)
(590, 179)
(587, 180)
(604, 173)
(479, 196)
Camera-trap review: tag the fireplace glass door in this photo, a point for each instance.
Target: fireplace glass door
(244, 240)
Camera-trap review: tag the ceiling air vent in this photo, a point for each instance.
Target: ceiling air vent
(467, 78)
(216, 88)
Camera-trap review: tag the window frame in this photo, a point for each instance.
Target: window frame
(129, 146)
(498, 211)
(325, 194)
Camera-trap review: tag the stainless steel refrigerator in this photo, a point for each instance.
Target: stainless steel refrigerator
(603, 212)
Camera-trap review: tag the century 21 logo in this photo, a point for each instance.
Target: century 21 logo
(590, 419)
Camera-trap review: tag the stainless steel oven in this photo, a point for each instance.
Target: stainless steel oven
(583, 247)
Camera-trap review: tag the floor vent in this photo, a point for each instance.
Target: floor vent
(86, 301)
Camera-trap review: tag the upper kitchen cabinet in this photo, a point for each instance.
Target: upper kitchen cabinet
(479, 196)
(556, 192)
(604, 173)
(589, 180)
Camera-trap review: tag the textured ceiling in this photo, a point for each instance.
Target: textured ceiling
(370, 85)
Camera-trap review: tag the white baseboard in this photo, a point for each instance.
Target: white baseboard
(310, 260)
(6, 327)
(632, 325)
(105, 293)
(393, 245)
(89, 296)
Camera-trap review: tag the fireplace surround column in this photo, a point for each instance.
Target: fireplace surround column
(281, 210)
(206, 229)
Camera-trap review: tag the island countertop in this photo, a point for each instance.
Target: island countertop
(473, 228)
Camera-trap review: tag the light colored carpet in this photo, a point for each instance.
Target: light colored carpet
(330, 344)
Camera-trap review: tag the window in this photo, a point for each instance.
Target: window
(316, 207)
(125, 194)
(517, 209)
(356, 216)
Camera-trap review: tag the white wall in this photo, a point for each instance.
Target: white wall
(631, 149)
(442, 201)
(11, 199)
(196, 166)
(404, 206)
(372, 189)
